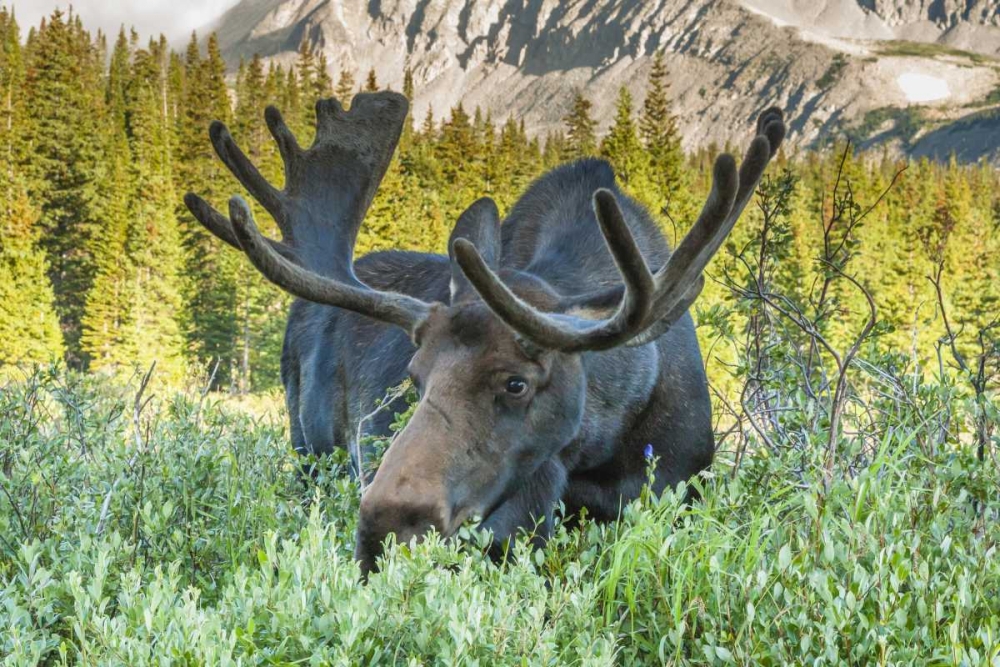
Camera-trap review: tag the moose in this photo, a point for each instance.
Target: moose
(553, 354)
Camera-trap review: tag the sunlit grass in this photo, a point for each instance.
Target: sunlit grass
(212, 550)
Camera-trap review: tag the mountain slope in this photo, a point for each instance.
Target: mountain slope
(963, 24)
(728, 59)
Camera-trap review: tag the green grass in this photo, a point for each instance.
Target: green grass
(186, 537)
(833, 72)
(904, 125)
(992, 98)
(930, 50)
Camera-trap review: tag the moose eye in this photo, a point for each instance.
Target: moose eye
(516, 385)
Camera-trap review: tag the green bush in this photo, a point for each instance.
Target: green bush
(181, 532)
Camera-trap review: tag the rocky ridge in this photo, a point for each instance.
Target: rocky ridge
(836, 66)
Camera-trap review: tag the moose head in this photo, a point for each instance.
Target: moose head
(499, 366)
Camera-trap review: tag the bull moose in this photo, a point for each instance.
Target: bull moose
(550, 360)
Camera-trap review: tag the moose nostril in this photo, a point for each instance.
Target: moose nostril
(367, 549)
(378, 519)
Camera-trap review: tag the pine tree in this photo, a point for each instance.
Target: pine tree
(428, 127)
(62, 128)
(214, 71)
(486, 164)
(457, 145)
(659, 129)
(108, 330)
(621, 146)
(517, 163)
(973, 245)
(408, 86)
(556, 150)
(345, 87)
(291, 106)
(12, 80)
(29, 327)
(581, 129)
(371, 84)
(421, 158)
(306, 70)
(322, 84)
(210, 272)
(154, 243)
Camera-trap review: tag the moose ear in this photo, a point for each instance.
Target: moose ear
(480, 226)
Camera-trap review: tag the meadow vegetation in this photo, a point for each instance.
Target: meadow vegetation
(137, 529)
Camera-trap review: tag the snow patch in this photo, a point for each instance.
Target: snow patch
(923, 87)
(774, 19)
(810, 35)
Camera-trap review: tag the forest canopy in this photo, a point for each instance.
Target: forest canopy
(102, 266)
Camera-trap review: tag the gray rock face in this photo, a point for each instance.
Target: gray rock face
(821, 60)
(944, 13)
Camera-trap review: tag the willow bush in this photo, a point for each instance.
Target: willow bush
(139, 529)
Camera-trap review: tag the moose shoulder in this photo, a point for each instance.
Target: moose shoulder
(547, 354)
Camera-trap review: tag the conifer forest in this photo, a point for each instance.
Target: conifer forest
(104, 267)
(850, 328)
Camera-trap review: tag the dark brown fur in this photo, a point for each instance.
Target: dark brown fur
(582, 362)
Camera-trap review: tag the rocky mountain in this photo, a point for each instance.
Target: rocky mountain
(962, 24)
(918, 76)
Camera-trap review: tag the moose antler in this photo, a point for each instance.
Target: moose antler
(328, 189)
(647, 304)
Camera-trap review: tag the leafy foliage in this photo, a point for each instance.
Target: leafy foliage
(180, 529)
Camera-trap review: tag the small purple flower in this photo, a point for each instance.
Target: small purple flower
(648, 451)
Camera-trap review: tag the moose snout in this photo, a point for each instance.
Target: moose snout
(382, 514)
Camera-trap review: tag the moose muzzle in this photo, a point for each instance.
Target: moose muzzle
(382, 515)
(409, 494)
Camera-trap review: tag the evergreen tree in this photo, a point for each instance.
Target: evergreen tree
(371, 83)
(108, 329)
(581, 129)
(457, 145)
(29, 327)
(406, 138)
(306, 69)
(659, 129)
(12, 81)
(291, 105)
(517, 163)
(621, 146)
(408, 86)
(488, 166)
(556, 150)
(154, 243)
(345, 87)
(210, 272)
(62, 83)
(258, 306)
(214, 73)
(322, 83)
(421, 158)
(972, 247)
